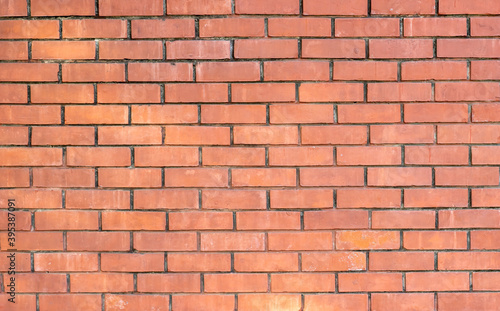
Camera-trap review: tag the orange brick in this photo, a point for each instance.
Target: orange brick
(470, 48)
(116, 302)
(232, 241)
(197, 302)
(20, 156)
(130, 50)
(98, 241)
(485, 70)
(101, 282)
(196, 177)
(436, 112)
(91, 28)
(179, 282)
(400, 176)
(171, 114)
(485, 239)
(333, 91)
(62, 7)
(23, 260)
(467, 91)
(266, 48)
(166, 156)
(39, 282)
(334, 261)
(366, 240)
(93, 72)
(233, 156)
(437, 155)
(333, 48)
(36, 241)
(484, 26)
(476, 218)
(302, 282)
(233, 199)
(401, 261)
(265, 7)
(249, 302)
(130, 135)
(370, 282)
(31, 198)
(476, 134)
(129, 177)
(368, 198)
(408, 134)
(149, 72)
(301, 156)
(401, 48)
(304, 241)
(333, 134)
(264, 177)
(66, 220)
(466, 176)
(28, 72)
(100, 156)
(485, 197)
(97, 199)
(130, 93)
(163, 28)
(196, 92)
(132, 262)
(362, 70)
(15, 177)
(371, 155)
(302, 70)
(403, 302)
(228, 71)
(437, 281)
(338, 176)
(485, 280)
(266, 262)
(336, 219)
(300, 27)
(326, 7)
(22, 219)
(368, 113)
(200, 221)
(435, 27)
(14, 135)
(64, 177)
(213, 49)
(435, 70)
(235, 282)
(63, 135)
(133, 220)
(301, 113)
(403, 219)
(15, 94)
(336, 301)
(304, 198)
(166, 199)
(16, 8)
(199, 135)
(198, 7)
(427, 240)
(422, 198)
(199, 262)
(395, 7)
(231, 27)
(165, 241)
(225, 114)
(263, 135)
(467, 301)
(367, 27)
(468, 260)
(130, 8)
(398, 92)
(59, 262)
(96, 114)
(268, 220)
(263, 92)
(13, 50)
(62, 93)
(63, 50)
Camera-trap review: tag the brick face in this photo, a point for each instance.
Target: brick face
(245, 155)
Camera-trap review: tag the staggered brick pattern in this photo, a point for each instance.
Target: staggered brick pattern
(251, 154)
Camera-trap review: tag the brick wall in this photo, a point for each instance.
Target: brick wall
(250, 155)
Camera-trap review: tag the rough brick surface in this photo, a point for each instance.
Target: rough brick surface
(248, 155)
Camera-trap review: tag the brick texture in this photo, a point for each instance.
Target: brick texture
(248, 155)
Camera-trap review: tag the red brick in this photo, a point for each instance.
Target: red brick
(93, 72)
(13, 50)
(132, 262)
(467, 91)
(401, 48)
(198, 7)
(399, 176)
(355, 302)
(423, 198)
(197, 302)
(63, 177)
(59, 262)
(130, 8)
(134, 302)
(333, 134)
(367, 27)
(403, 302)
(98, 241)
(233, 156)
(96, 114)
(336, 7)
(266, 48)
(217, 114)
(249, 302)
(476, 218)
(200, 221)
(129, 177)
(485, 155)
(166, 156)
(265, 7)
(165, 241)
(233, 199)
(196, 177)
(15, 8)
(14, 135)
(368, 198)
(263, 92)
(485, 239)
(97, 199)
(332, 91)
(149, 72)
(362, 70)
(468, 301)
(466, 176)
(435, 27)
(485, 26)
(35, 241)
(401, 261)
(62, 135)
(435, 70)
(31, 198)
(228, 71)
(301, 113)
(203, 262)
(64, 50)
(468, 260)
(263, 135)
(266, 262)
(370, 282)
(15, 94)
(398, 92)
(133, 220)
(20, 156)
(264, 177)
(216, 49)
(166, 199)
(130, 135)
(171, 114)
(130, 50)
(336, 219)
(440, 112)
(199, 135)
(90, 28)
(302, 70)
(427, 240)
(66, 220)
(368, 113)
(62, 7)
(437, 281)
(485, 197)
(304, 198)
(185, 282)
(103, 156)
(437, 155)
(304, 241)
(23, 223)
(405, 7)
(196, 92)
(75, 302)
(476, 134)
(485, 280)
(366, 240)
(29, 29)
(15, 177)
(407, 134)
(235, 282)
(300, 27)
(268, 220)
(302, 282)
(101, 282)
(403, 220)
(39, 282)
(232, 241)
(163, 28)
(231, 27)
(62, 93)
(470, 48)
(333, 48)
(301, 156)
(371, 155)
(339, 176)
(334, 261)
(467, 7)
(485, 70)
